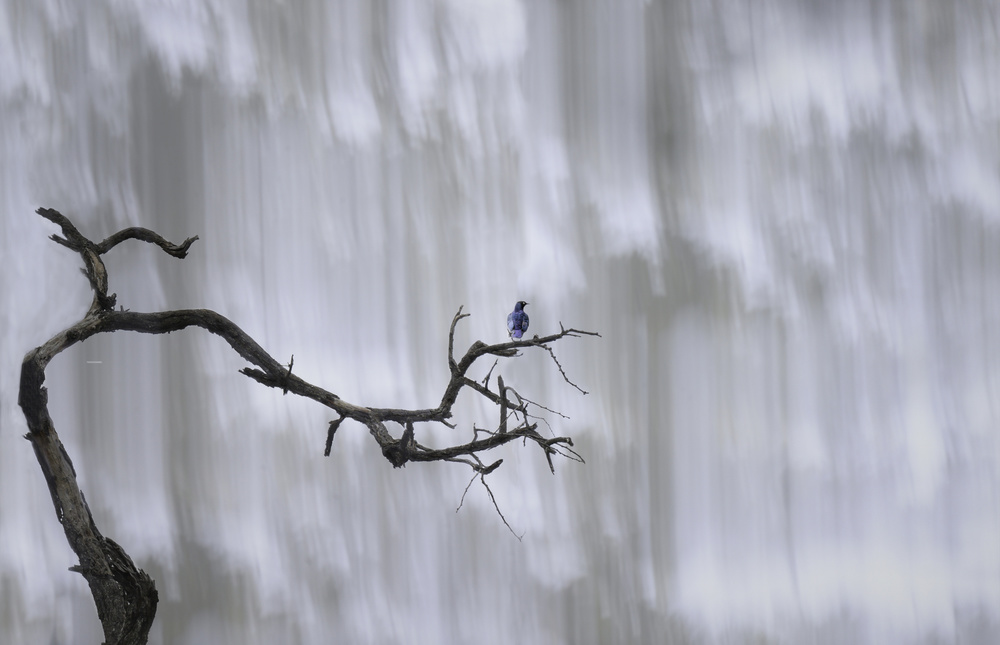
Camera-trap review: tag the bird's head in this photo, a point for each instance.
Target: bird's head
(520, 305)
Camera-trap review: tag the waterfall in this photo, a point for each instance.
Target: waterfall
(782, 216)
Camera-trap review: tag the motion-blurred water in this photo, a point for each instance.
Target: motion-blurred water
(783, 216)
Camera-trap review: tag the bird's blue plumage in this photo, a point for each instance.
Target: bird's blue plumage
(517, 320)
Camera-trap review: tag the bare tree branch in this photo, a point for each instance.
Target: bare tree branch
(146, 235)
(503, 404)
(451, 339)
(486, 379)
(76, 241)
(334, 425)
(126, 596)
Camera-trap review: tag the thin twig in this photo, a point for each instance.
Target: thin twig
(482, 478)
(486, 379)
(543, 420)
(562, 371)
(520, 407)
(569, 452)
(451, 338)
(539, 405)
(459, 460)
(467, 487)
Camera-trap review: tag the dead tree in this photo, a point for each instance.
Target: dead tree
(125, 595)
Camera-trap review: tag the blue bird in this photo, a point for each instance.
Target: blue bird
(517, 320)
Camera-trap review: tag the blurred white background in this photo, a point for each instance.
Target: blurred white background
(783, 216)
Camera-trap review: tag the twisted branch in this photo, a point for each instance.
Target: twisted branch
(126, 596)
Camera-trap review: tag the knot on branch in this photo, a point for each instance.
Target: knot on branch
(103, 302)
(398, 453)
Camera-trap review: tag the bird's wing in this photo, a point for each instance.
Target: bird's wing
(510, 322)
(524, 321)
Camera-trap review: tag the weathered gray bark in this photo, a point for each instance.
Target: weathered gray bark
(125, 595)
